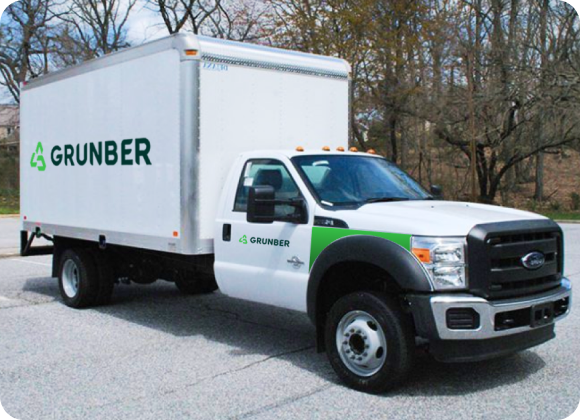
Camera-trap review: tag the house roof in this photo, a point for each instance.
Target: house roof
(9, 116)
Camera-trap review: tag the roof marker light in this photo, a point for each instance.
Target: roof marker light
(326, 149)
(191, 53)
(300, 149)
(353, 149)
(371, 152)
(340, 149)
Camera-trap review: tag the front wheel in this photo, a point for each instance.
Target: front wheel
(369, 341)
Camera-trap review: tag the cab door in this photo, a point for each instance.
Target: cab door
(267, 263)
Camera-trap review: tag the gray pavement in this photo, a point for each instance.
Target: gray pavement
(9, 235)
(155, 354)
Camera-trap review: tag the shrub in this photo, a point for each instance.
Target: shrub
(575, 197)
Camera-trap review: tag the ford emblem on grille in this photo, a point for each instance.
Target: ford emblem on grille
(533, 260)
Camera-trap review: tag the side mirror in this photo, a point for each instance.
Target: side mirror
(437, 192)
(262, 203)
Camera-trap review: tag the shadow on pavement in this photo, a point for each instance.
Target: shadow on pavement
(432, 378)
(284, 334)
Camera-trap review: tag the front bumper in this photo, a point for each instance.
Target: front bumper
(496, 320)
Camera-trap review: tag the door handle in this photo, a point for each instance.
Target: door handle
(227, 232)
(295, 261)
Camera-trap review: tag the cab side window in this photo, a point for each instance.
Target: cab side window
(267, 172)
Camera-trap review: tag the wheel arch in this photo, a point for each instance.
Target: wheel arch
(375, 263)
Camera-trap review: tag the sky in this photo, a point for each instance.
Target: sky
(144, 25)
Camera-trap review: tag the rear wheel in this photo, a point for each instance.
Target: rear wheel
(369, 341)
(78, 278)
(201, 283)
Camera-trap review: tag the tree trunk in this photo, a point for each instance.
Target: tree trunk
(539, 192)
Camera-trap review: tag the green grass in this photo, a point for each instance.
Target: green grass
(562, 215)
(9, 201)
(9, 210)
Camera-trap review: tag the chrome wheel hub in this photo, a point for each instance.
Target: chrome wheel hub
(70, 278)
(361, 343)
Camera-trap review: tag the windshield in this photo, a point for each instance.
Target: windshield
(357, 180)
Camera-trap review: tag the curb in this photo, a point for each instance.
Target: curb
(9, 216)
(3, 256)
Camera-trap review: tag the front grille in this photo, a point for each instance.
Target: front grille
(495, 254)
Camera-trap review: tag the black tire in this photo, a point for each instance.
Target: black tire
(200, 284)
(80, 263)
(106, 277)
(397, 329)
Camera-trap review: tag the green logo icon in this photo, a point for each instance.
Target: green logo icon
(244, 240)
(37, 160)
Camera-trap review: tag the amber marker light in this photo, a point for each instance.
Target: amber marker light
(300, 149)
(371, 152)
(175, 234)
(340, 149)
(422, 254)
(191, 53)
(353, 149)
(326, 149)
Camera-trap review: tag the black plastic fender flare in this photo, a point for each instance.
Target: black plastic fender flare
(399, 263)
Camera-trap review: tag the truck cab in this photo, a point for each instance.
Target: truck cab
(379, 263)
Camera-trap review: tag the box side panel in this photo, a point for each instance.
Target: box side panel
(244, 109)
(136, 203)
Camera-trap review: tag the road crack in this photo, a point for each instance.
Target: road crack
(282, 403)
(240, 369)
(208, 378)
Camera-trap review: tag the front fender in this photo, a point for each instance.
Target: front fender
(393, 258)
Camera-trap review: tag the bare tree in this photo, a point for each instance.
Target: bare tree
(96, 27)
(25, 42)
(242, 20)
(184, 14)
(519, 115)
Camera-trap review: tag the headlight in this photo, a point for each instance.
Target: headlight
(444, 260)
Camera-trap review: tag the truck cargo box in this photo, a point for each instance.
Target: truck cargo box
(134, 148)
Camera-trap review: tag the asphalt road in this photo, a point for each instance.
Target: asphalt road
(155, 354)
(9, 236)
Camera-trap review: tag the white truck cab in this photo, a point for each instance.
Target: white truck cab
(210, 163)
(335, 233)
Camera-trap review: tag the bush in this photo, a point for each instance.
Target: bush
(9, 163)
(575, 197)
(9, 182)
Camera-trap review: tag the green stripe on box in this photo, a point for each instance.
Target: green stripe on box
(324, 236)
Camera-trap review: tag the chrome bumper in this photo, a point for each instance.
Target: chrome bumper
(488, 310)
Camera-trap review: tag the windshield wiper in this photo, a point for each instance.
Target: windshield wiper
(385, 199)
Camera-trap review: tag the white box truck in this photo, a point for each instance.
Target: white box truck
(211, 164)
